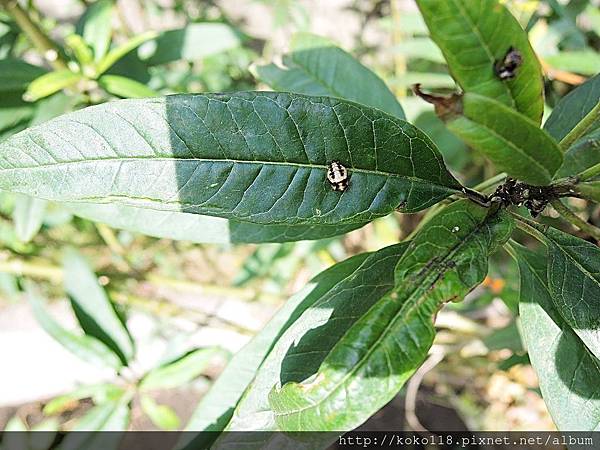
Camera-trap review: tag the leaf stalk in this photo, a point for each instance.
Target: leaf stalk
(581, 128)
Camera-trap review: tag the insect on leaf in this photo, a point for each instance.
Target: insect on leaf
(254, 157)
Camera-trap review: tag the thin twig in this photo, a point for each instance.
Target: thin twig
(38, 38)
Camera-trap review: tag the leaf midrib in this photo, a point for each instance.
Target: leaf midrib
(484, 45)
(514, 147)
(412, 305)
(223, 160)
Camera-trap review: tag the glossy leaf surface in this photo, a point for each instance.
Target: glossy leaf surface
(514, 143)
(316, 66)
(574, 282)
(216, 409)
(377, 354)
(255, 157)
(473, 35)
(202, 229)
(568, 372)
(585, 152)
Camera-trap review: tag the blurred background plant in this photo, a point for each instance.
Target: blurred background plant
(167, 313)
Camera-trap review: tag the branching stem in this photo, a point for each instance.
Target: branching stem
(38, 38)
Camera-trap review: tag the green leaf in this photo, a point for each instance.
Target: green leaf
(514, 143)
(87, 348)
(80, 49)
(28, 216)
(309, 338)
(51, 83)
(119, 52)
(473, 35)
(161, 415)
(125, 87)
(567, 371)
(586, 62)
(217, 154)
(95, 27)
(111, 416)
(316, 66)
(382, 349)
(93, 308)
(574, 282)
(585, 152)
(194, 42)
(15, 74)
(181, 371)
(216, 407)
(99, 393)
(201, 229)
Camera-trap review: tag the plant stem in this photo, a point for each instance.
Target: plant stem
(581, 128)
(590, 173)
(38, 38)
(31, 269)
(497, 179)
(575, 220)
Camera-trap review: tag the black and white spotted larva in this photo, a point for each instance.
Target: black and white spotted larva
(506, 68)
(338, 177)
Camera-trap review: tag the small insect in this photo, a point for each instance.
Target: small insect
(506, 69)
(338, 177)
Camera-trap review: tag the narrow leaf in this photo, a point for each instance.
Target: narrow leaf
(161, 415)
(80, 49)
(567, 371)
(119, 52)
(585, 152)
(87, 348)
(95, 27)
(218, 154)
(574, 282)
(51, 83)
(473, 36)
(111, 416)
(99, 393)
(378, 353)
(201, 229)
(216, 408)
(308, 340)
(93, 308)
(514, 143)
(194, 42)
(125, 87)
(586, 62)
(180, 372)
(316, 66)
(28, 216)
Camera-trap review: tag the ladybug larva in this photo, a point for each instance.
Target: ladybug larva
(337, 175)
(506, 68)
